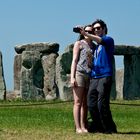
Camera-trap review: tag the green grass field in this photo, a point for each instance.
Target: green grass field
(54, 121)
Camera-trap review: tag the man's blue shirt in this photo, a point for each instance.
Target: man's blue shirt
(103, 57)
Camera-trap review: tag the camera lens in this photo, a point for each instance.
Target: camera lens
(76, 29)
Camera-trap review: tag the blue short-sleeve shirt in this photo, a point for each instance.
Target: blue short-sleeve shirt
(103, 57)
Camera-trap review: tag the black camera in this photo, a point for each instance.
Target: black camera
(76, 29)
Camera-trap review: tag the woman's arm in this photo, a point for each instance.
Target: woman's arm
(76, 50)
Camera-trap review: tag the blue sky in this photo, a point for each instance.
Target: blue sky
(30, 21)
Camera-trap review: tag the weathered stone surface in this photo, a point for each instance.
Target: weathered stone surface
(34, 70)
(126, 49)
(63, 65)
(39, 62)
(131, 76)
(40, 47)
(12, 95)
(31, 83)
(17, 71)
(119, 83)
(2, 80)
(113, 88)
(50, 88)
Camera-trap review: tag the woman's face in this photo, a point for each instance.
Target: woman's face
(88, 30)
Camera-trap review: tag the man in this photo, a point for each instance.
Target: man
(101, 79)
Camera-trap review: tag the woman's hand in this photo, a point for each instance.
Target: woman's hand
(73, 82)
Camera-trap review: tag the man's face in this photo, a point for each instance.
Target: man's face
(98, 29)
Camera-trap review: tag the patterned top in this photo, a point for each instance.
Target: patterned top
(85, 58)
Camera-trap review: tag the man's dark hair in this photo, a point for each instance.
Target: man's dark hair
(102, 23)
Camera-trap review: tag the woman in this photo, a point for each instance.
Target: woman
(80, 70)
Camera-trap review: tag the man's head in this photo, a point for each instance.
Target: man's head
(99, 27)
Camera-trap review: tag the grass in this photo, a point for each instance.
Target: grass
(53, 120)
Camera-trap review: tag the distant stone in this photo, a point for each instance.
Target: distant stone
(2, 80)
(31, 82)
(126, 50)
(49, 75)
(41, 47)
(63, 65)
(34, 71)
(13, 95)
(131, 87)
(17, 71)
(41, 73)
(119, 83)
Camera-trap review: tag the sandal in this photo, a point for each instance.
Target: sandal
(79, 131)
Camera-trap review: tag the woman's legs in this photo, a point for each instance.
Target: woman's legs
(84, 112)
(78, 93)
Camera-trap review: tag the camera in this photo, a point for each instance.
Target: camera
(76, 29)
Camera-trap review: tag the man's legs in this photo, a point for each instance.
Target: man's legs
(92, 101)
(104, 88)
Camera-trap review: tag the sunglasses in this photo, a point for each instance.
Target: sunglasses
(90, 32)
(96, 28)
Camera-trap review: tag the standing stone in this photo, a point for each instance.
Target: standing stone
(31, 83)
(63, 66)
(50, 88)
(113, 87)
(131, 76)
(34, 70)
(119, 83)
(17, 72)
(40, 47)
(39, 73)
(2, 80)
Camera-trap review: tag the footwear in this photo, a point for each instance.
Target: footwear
(79, 131)
(84, 130)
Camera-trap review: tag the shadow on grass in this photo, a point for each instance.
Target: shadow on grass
(128, 133)
(125, 104)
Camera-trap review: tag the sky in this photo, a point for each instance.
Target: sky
(33, 21)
